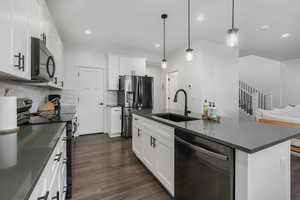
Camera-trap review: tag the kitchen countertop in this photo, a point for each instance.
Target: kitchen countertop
(62, 117)
(245, 135)
(26, 154)
(112, 106)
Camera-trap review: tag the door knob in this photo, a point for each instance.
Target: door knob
(101, 104)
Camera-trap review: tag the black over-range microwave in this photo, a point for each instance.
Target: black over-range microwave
(42, 61)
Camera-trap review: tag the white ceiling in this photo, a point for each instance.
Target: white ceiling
(136, 24)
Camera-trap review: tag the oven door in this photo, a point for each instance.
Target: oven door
(203, 169)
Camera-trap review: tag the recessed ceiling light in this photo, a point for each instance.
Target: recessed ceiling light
(157, 45)
(200, 18)
(88, 32)
(265, 27)
(285, 35)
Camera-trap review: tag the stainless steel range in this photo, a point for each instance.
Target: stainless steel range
(23, 110)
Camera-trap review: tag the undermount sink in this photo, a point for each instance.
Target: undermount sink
(175, 117)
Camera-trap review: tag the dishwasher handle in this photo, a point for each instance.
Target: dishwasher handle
(202, 150)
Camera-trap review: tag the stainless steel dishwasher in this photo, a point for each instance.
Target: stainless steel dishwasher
(204, 170)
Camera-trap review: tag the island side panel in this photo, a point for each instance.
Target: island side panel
(264, 174)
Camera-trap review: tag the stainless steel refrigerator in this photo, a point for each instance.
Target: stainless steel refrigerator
(135, 92)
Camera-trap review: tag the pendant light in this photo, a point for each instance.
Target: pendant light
(189, 50)
(233, 33)
(164, 61)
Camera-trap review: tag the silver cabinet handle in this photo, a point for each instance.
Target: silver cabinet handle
(19, 56)
(56, 197)
(136, 119)
(202, 150)
(58, 157)
(22, 67)
(154, 142)
(44, 197)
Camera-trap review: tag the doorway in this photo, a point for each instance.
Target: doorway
(172, 87)
(91, 110)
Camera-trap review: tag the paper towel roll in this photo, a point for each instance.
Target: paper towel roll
(8, 113)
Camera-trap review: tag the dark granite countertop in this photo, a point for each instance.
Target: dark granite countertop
(245, 135)
(62, 117)
(112, 106)
(23, 156)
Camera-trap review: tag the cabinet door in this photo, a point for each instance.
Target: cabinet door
(6, 36)
(113, 72)
(148, 155)
(55, 187)
(139, 66)
(126, 66)
(35, 18)
(116, 120)
(164, 165)
(21, 36)
(137, 141)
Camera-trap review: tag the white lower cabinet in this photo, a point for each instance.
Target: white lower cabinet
(153, 144)
(53, 180)
(137, 140)
(114, 121)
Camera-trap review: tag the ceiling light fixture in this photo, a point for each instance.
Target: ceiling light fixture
(164, 62)
(88, 32)
(189, 50)
(265, 27)
(285, 35)
(200, 18)
(233, 33)
(157, 45)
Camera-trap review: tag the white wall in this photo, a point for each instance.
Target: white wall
(262, 74)
(213, 75)
(76, 57)
(290, 80)
(158, 97)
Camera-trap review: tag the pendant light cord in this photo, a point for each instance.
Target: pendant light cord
(164, 38)
(189, 24)
(232, 14)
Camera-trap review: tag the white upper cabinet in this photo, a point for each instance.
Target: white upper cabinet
(113, 72)
(121, 65)
(20, 37)
(14, 38)
(132, 66)
(6, 66)
(35, 18)
(20, 20)
(139, 65)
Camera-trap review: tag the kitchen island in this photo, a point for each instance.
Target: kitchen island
(261, 151)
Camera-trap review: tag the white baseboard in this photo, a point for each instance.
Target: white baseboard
(112, 135)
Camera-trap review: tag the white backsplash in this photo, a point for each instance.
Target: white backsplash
(112, 98)
(37, 94)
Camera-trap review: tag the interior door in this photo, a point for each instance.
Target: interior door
(172, 88)
(91, 101)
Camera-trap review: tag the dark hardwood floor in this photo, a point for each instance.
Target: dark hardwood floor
(106, 169)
